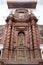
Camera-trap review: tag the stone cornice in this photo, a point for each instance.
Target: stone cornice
(27, 18)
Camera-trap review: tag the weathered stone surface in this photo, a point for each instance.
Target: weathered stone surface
(22, 39)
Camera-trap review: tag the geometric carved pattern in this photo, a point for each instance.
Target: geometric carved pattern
(22, 53)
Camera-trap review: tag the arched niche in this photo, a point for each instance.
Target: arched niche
(21, 38)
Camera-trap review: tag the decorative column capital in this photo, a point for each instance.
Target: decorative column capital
(33, 17)
(10, 19)
(33, 22)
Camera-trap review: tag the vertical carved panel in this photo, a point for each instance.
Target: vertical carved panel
(38, 41)
(11, 42)
(7, 42)
(21, 55)
(28, 55)
(38, 36)
(35, 43)
(34, 33)
(30, 36)
(30, 42)
(34, 37)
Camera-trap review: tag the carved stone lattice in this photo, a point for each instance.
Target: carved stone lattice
(21, 53)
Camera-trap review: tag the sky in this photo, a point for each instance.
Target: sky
(4, 11)
(21, 0)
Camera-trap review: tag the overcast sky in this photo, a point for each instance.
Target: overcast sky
(4, 11)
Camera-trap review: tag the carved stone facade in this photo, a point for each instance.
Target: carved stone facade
(22, 39)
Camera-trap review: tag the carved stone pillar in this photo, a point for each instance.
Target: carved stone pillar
(30, 41)
(11, 44)
(38, 40)
(38, 35)
(36, 48)
(34, 33)
(7, 42)
(34, 37)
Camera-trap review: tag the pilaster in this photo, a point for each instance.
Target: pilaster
(38, 40)
(11, 44)
(7, 40)
(35, 43)
(30, 42)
